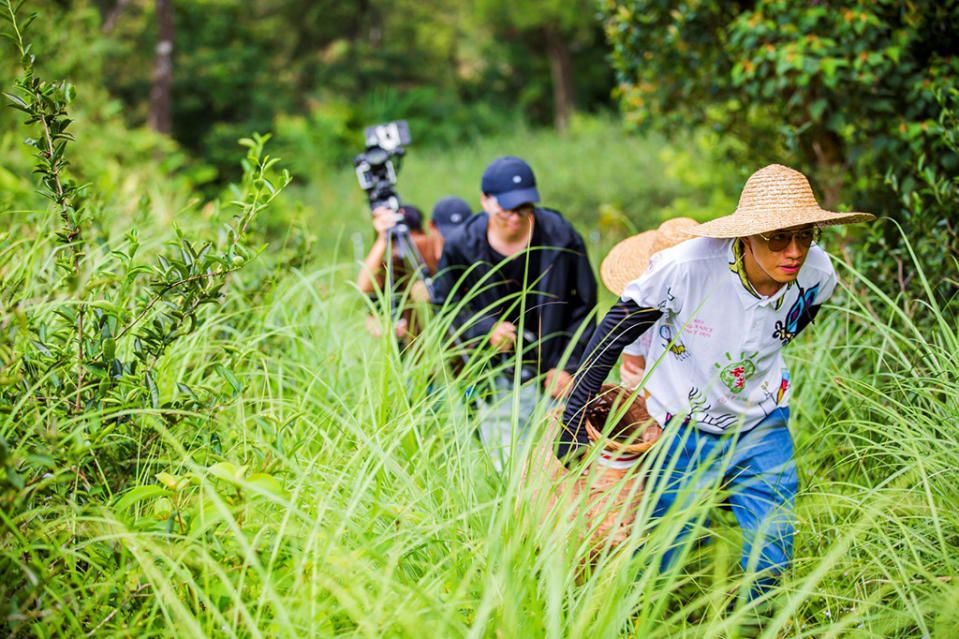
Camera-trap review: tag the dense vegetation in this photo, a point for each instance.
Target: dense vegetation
(197, 438)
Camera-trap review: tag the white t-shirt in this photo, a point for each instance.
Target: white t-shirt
(716, 353)
(641, 346)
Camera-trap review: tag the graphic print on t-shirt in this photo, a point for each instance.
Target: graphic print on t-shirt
(786, 330)
(677, 348)
(700, 415)
(735, 374)
(665, 305)
(771, 400)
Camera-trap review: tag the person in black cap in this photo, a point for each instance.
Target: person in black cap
(448, 213)
(522, 270)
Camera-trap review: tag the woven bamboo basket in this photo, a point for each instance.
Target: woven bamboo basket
(609, 494)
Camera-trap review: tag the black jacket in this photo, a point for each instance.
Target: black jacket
(563, 286)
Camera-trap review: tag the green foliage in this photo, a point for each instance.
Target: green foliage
(243, 460)
(849, 92)
(301, 67)
(80, 359)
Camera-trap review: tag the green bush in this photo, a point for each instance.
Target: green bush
(860, 95)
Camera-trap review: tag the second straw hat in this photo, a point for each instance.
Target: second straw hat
(630, 258)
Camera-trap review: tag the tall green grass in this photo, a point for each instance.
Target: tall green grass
(321, 483)
(367, 508)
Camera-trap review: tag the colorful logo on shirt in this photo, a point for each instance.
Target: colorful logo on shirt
(664, 305)
(770, 401)
(735, 374)
(676, 347)
(786, 330)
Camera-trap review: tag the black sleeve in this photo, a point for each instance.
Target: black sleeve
(583, 301)
(623, 325)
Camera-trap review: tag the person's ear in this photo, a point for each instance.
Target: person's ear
(488, 202)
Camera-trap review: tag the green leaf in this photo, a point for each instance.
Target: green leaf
(230, 472)
(817, 108)
(140, 493)
(168, 480)
(262, 482)
(17, 101)
(225, 373)
(153, 390)
(109, 349)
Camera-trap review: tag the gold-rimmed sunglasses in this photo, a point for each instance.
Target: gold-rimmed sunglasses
(779, 240)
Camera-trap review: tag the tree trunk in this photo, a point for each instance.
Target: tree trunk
(159, 118)
(561, 66)
(825, 148)
(110, 19)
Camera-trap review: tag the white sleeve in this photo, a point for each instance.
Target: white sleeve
(825, 274)
(662, 286)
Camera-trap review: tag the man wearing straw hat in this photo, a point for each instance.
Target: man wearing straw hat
(722, 307)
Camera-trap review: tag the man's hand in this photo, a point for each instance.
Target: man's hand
(503, 337)
(383, 219)
(558, 383)
(632, 370)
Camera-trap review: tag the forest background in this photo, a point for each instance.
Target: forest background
(197, 437)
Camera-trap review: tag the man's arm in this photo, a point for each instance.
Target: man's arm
(623, 324)
(371, 272)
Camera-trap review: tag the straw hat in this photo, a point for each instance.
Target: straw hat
(775, 197)
(630, 258)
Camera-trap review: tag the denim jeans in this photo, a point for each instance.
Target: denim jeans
(758, 470)
(501, 435)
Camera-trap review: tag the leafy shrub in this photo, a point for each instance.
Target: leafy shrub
(859, 94)
(86, 322)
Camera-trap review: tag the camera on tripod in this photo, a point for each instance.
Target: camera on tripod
(377, 166)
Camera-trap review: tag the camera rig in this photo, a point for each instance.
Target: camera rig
(376, 170)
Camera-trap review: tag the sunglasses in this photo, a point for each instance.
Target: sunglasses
(779, 240)
(523, 210)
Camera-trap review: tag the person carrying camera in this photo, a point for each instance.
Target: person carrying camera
(520, 270)
(448, 213)
(728, 302)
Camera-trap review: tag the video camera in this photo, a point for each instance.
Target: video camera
(376, 168)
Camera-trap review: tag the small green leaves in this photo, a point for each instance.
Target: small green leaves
(139, 493)
(152, 389)
(226, 374)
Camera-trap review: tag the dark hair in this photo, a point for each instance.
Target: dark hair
(412, 216)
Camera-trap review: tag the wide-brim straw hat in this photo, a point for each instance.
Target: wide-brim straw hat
(630, 258)
(775, 197)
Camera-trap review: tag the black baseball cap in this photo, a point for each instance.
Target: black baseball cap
(510, 180)
(449, 212)
(412, 216)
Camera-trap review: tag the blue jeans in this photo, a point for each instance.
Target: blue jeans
(758, 470)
